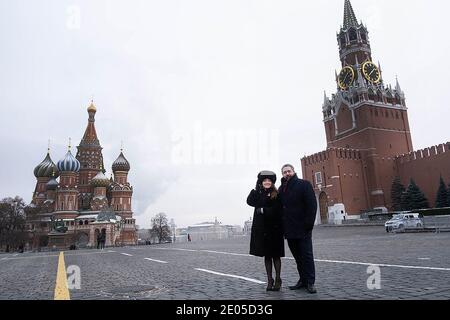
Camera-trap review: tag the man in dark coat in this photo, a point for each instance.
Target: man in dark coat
(299, 213)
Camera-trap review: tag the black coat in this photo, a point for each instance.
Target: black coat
(299, 207)
(267, 229)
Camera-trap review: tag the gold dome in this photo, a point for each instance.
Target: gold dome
(92, 107)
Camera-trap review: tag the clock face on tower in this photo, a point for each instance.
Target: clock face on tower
(371, 72)
(346, 77)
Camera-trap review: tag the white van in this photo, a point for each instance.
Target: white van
(402, 221)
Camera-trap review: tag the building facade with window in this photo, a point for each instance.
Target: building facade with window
(88, 203)
(368, 137)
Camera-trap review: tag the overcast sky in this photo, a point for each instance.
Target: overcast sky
(204, 93)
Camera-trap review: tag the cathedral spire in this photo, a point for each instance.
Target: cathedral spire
(90, 134)
(349, 16)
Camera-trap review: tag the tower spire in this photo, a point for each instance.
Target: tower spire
(397, 85)
(90, 134)
(349, 16)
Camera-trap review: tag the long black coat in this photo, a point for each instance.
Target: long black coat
(267, 229)
(299, 207)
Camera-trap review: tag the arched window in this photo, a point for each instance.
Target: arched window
(85, 222)
(343, 40)
(80, 222)
(362, 33)
(352, 35)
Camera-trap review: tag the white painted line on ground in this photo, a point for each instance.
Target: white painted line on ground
(178, 249)
(322, 260)
(229, 253)
(126, 254)
(160, 261)
(424, 258)
(111, 251)
(231, 276)
(15, 255)
(378, 264)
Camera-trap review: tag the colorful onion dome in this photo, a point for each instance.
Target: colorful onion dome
(100, 180)
(45, 168)
(121, 163)
(69, 163)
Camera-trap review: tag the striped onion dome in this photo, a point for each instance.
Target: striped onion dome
(46, 168)
(100, 180)
(121, 163)
(69, 163)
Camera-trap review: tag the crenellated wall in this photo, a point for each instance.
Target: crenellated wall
(343, 177)
(426, 166)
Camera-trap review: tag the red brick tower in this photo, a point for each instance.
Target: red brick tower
(121, 190)
(120, 193)
(365, 114)
(91, 160)
(67, 192)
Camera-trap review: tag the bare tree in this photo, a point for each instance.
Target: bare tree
(160, 227)
(12, 223)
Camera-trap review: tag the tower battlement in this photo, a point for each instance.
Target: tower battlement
(429, 152)
(337, 153)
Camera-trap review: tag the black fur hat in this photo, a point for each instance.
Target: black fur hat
(267, 175)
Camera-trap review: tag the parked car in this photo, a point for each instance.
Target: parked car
(401, 222)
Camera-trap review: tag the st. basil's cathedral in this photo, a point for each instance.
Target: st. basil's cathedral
(88, 204)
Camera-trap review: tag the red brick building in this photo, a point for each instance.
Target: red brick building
(87, 202)
(368, 137)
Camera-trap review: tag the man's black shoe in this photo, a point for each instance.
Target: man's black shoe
(311, 289)
(298, 286)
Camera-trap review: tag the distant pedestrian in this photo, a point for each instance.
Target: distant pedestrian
(299, 213)
(189, 237)
(266, 238)
(99, 240)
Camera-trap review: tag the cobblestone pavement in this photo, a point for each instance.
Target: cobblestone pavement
(413, 266)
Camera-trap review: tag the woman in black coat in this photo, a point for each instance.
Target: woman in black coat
(267, 232)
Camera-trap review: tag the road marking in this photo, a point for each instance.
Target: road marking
(231, 276)
(424, 258)
(178, 249)
(229, 253)
(110, 251)
(126, 254)
(378, 264)
(321, 260)
(15, 255)
(160, 261)
(61, 288)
